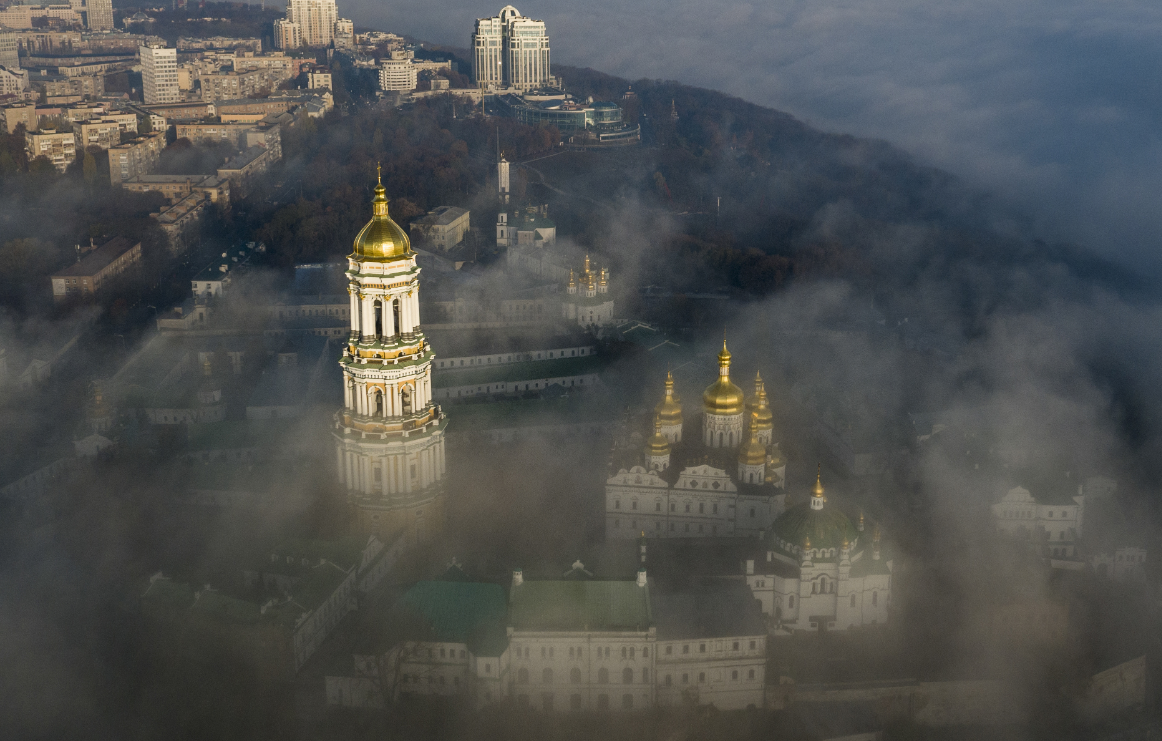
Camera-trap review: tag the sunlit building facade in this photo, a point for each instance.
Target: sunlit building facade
(390, 434)
(509, 50)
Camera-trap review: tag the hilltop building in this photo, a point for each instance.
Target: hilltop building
(309, 22)
(728, 481)
(390, 433)
(443, 227)
(398, 72)
(587, 299)
(509, 50)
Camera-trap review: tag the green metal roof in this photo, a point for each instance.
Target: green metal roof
(457, 612)
(827, 527)
(580, 605)
(511, 372)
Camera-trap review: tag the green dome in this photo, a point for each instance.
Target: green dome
(826, 527)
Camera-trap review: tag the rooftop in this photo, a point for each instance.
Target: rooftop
(580, 605)
(99, 259)
(508, 372)
(456, 612)
(708, 611)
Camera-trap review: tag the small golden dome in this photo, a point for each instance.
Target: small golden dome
(669, 409)
(658, 444)
(381, 239)
(722, 396)
(760, 405)
(752, 452)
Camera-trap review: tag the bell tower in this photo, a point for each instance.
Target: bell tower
(389, 434)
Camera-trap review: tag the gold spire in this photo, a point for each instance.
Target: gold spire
(806, 542)
(817, 497)
(572, 281)
(669, 410)
(604, 279)
(206, 369)
(587, 263)
(381, 239)
(752, 453)
(722, 396)
(758, 404)
(658, 444)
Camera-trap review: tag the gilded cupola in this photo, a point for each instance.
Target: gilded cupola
(752, 452)
(658, 445)
(759, 405)
(722, 396)
(669, 409)
(381, 239)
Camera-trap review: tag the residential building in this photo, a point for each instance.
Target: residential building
(443, 227)
(13, 81)
(510, 50)
(241, 170)
(287, 34)
(235, 85)
(177, 187)
(95, 270)
(316, 19)
(97, 15)
(9, 50)
(397, 73)
(59, 148)
(62, 86)
(159, 75)
(17, 114)
(344, 33)
(174, 219)
(103, 134)
(135, 158)
(318, 78)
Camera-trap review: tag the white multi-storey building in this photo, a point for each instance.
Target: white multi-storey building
(9, 51)
(344, 33)
(287, 34)
(159, 75)
(509, 50)
(390, 434)
(316, 19)
(397, 72)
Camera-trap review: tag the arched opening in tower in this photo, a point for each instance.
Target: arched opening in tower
(378, 318)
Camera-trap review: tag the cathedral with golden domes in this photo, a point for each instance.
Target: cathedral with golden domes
(389, 434)
(728, 481)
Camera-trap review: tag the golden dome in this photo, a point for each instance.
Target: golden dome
(658, 444)
(381, 239)
(669, 410)
(759, 405)
(752, 452)
(722, 396)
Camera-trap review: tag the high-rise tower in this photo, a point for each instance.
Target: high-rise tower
(159, 75)
(390, 435)
(510, 50)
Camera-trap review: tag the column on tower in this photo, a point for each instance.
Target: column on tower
(354, 310)
(368, 317)
(389, 328)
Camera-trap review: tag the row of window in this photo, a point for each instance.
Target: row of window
(547, 652)
(575, 702)
(702, 647)
(734, 675)
(627, 676)
(508, 358)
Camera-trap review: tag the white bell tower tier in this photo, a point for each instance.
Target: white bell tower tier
(390, 436)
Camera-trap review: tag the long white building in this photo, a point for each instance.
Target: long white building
(510, 50)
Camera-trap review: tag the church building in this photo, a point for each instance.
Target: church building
(725, 480)
(390, 433)
(587, 301)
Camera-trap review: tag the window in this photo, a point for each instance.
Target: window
(669, 680)
(752, 511)
(617, 504)
(701, 648)
(623, 651)
(687, 508)
(669, 650)
(488, 668)
(685, 679)
(734, 647)
(853, 600)
(701, 508)
(547, 676)
(791, 601)
(627, 702)
(734, 675)
(646, 652)
(645, 676)
(671, 508)
(547, 701)
(603, 702)
(633, 504)
(715, 508)
(701, 677)
(575, 676)
(574, 702)
(602, 675)
(750, 674)
(657, 506)
(627, 676)
(686, 649)
(522, 676)
(443, 654)
(632, 650)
